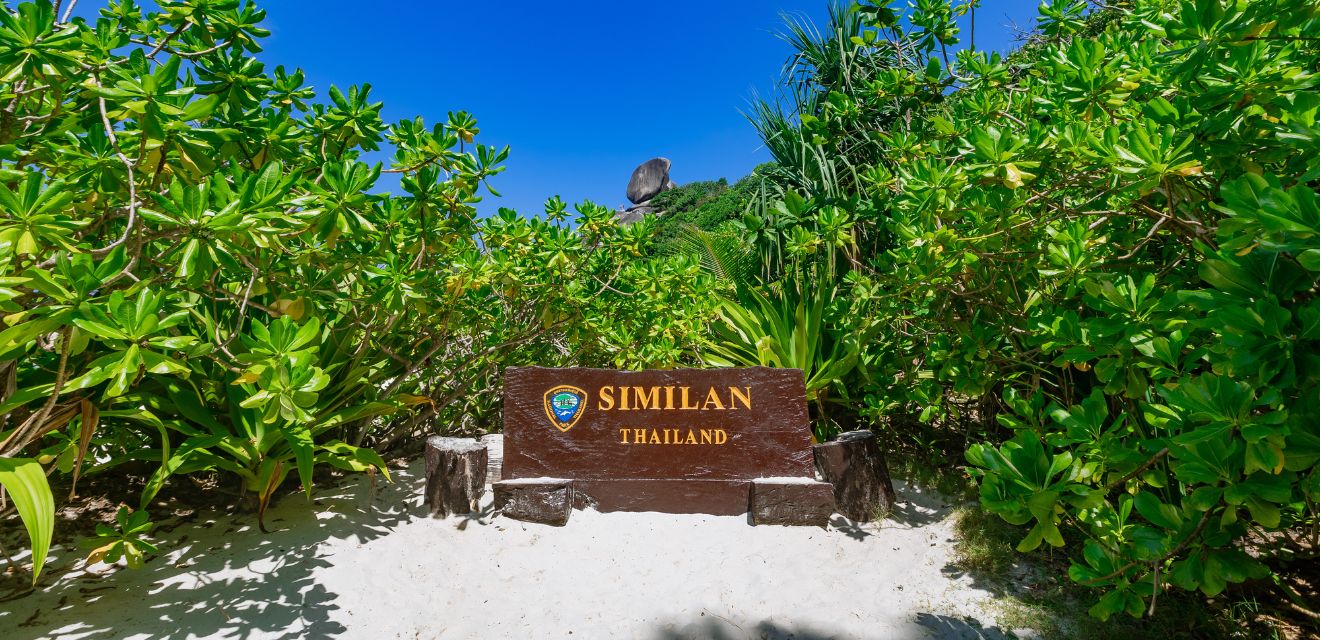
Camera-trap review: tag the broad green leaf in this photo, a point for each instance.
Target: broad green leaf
(26, 484)
(300, 441)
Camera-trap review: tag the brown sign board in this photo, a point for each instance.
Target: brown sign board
(678, 441)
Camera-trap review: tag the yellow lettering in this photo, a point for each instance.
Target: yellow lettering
(606, 401)
(735, 395)
(673, 436)
(713, 397)
(669, 397)
(684, 397)
(623, 399)
(645, 400)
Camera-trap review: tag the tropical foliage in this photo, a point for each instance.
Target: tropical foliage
(199, 272)
(127, 539)
(1102, 250)
(708, 205)
(1099, 254)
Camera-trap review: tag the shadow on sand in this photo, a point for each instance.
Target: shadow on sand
(925, 626)
(915, 507)
(218, 576)
(918, 506)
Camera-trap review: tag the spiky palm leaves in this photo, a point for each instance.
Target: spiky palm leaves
(824, 60)
(787, 327)
(822, 80)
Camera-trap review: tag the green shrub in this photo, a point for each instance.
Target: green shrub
(127, 539)
(708, 205)
(197, 272)
(1105, 248)
(786, 327)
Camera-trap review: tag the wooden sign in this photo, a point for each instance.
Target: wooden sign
(678, 441)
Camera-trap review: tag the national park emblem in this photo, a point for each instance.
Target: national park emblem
(564, 405)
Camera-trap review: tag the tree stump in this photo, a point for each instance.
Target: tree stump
(855, 464)
(455, 474)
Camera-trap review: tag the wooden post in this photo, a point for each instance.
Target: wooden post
(855, 464)
(455, 474)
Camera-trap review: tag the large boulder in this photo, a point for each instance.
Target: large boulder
(648, 180)
(631, 216)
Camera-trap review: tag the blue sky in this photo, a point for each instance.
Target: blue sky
(582, 92)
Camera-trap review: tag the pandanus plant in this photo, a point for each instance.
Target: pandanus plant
(786, 327)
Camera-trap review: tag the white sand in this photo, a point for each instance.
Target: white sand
(362, 566)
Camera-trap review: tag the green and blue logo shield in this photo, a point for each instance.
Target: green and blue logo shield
(564, 405)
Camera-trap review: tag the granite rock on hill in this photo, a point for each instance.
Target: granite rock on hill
(648, 180)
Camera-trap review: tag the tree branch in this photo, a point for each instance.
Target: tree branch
(1205, 519)
(19, 439)
(1144, 466)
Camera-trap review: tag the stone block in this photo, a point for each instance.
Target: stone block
(541, 500)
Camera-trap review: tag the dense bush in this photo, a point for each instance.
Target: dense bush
(708, 205)
(1105, 249)
(197, 272)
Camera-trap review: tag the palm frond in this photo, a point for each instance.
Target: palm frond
(824, 60)
(722, 254)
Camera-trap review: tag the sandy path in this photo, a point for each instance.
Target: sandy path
(354, 566)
